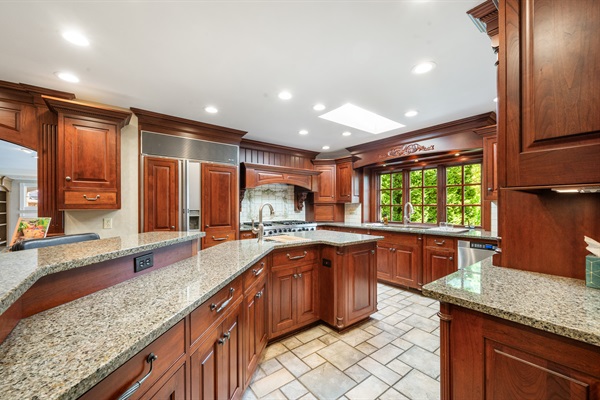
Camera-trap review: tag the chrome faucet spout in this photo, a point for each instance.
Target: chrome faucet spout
(260, 230)
(408, 211)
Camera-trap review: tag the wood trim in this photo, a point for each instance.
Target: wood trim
(250, 175)
(445, 316)
(78, 108)
(275, 148)
(177, 126)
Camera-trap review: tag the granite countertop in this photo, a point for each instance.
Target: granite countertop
(417, 229)
(19, 270)
(63, 352)
(563, 306)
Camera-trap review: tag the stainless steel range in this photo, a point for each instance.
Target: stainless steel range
(283, 227)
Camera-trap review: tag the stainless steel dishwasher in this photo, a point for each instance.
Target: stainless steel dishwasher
(470, 252)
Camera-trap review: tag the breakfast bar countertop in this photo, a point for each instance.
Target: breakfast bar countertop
(62, 352)
(563, 306)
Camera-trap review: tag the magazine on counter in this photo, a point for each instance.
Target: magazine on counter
(30, 228)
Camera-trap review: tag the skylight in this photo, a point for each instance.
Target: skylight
(359, 118)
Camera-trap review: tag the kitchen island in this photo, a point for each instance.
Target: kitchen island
(508, 333)
(66, 350)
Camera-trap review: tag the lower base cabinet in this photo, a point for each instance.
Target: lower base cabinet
(484, 357)
(170, 387)
(439, 256)
(255, 326)
(399, 259)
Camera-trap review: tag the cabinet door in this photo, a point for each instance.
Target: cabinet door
(343, 178)
(282, 310)
(361, 284)
(161, 194)
(326, 184)
(549, 90)
(490, 168)
(255, 328)
(406, 265)
(438, 263)
(172, 389)
(230, 380)
(220, 202)
(306, 294)
(205, 364)
(385, 260)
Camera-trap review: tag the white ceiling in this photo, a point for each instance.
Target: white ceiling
(176, 57)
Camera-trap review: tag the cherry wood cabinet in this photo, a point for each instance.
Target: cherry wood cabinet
(549, 92)
(399, 259)
(326, 186)
(88, 154)
(169, 387)
(484, 357)
(247, 235)
(490, 167)
(439, 257)
(346, 181)
(161, 194)
(220, 203)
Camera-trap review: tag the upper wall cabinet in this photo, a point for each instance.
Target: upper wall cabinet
(346, 181)
(325, 182)
(89, 154)
(549, 91)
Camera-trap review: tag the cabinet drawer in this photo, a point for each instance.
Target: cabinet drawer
(90, 199)
(295, 256)
(441, 242)
(214, 238)
(213, 309)
(256, 272)
(407, 239)
(169, 347)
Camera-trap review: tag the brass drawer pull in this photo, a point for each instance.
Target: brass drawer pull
(94, 199)
(129, 392)
(439, 243)
(220, 308)
(220, 239)
(297, 257)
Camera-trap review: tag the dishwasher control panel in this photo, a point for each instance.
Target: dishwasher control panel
(483, 246)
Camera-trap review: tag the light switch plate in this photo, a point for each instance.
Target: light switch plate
(107, 223)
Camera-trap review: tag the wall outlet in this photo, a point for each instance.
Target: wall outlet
(142, 262)
(107, 223)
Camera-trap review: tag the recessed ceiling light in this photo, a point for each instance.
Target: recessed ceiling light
(325, 147)
(417, 160)
(35, 156)
(319, 107)
(347, 133)
(423, 67)
(67, 76)
(76, 38)
(303, 132)
(411, 113)
(26, 151)
(211, 109)
(285, 95)
(457, 154)
(495, 99)
(359, 118)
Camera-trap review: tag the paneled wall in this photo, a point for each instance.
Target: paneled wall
(262, 153)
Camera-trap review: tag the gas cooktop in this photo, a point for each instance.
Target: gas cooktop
(285, 226)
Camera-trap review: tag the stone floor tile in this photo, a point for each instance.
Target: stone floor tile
(393, 394)
(366, 348)
(274, 350)
(355, 337)
(326, 328)
(382, 339)
(424, 301)
(329, 339)
(399, 367)
(393, 319)
(271, 382)
(293, 364)
(438, 351)
(308, 348)
(390, 328)
(389, 310)
(294, 390)
(402, 344)
(258, 375)
(422, 339)
(436, 332)
(270, 366)
(379, 370)
(341, 355)
(403, 326)
(417, 385)
(378, 316)
(291, 343)
(275, 395)
(308, 396)
(357, 373)
(420, 322)
(386, 354)
(310, 334)
(314, 360)
(327, 382)
(249, 395)
(418, 309)
(369, 389)
(373, 330)
(421, 359)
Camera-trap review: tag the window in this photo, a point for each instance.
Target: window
(449, 193)
(390, 196)
(423, 195)
(463, 194)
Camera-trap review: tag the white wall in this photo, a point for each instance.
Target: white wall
(14, 206)
(280, 196)
(125, 220)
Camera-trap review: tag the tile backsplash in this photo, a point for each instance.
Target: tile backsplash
(352, 213)
(280, 196)
(494, 218)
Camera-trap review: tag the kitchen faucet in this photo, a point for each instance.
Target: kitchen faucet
(408, 213)
(260, 230)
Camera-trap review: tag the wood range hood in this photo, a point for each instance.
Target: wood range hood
(253, 175)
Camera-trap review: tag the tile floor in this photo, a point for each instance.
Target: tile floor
(393, 355)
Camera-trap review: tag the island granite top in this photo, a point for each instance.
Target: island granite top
(19, 270)
(563, 306)
(64, 351)
(416, 229)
